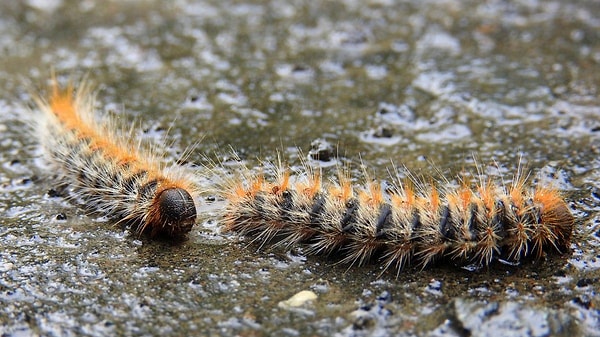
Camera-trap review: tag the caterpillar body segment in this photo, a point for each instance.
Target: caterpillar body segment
(109, 172)
(402, 225)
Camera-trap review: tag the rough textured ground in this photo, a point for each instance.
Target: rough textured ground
(380, 80)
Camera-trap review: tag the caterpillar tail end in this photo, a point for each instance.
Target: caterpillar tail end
(560, 221)
(174, 214)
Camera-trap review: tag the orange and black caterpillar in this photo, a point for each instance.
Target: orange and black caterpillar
(107, 171)
(400, 224)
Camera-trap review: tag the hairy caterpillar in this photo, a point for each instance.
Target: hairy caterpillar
(402, 224)
(107, 171)
(399, 225)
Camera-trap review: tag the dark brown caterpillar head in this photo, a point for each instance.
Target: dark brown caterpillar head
(173, 213)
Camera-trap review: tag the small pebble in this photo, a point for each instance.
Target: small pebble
(298, 299)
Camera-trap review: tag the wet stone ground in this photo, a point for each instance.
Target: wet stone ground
(339, 82)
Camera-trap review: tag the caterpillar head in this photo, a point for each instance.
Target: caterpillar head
(173, 213)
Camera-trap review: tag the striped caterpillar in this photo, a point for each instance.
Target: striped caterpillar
(109, 173)
(402, 224)
(399, 225)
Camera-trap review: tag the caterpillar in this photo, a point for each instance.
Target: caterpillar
(108, 172)
(401, 224)
(398, 224)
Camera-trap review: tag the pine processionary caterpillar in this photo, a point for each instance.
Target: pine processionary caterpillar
(108, 172)
(401, 224)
